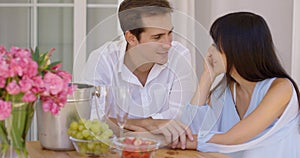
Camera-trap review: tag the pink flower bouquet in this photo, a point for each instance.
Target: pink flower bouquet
(25, 77)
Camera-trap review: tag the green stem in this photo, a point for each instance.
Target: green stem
(7, 95)
(16, 127)
(3, 133)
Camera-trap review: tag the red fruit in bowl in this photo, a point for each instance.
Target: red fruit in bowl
(147, 142)
(132, 147)
(128, 141)
(137, 142)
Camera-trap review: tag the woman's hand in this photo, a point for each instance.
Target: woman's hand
(214, 65)
(215, 62)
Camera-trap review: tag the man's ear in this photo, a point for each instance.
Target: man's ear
(131, 39)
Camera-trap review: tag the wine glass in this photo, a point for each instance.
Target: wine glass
(99, 103)
(121, 107)
(122, 116)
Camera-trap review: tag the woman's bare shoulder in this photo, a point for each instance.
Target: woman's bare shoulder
(282, 89)
(283, 84)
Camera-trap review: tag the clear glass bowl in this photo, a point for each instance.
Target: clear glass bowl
(129, 147)
(92, 147)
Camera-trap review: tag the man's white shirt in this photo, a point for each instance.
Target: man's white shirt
(167, 89)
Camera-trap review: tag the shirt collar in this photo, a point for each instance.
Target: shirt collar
(122, 45)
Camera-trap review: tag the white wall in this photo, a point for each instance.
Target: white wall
(184, 13)
(296, 43)
(277, 13)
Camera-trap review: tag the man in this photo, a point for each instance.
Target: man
(156, 68)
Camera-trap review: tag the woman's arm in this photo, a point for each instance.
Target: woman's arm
(213, 66)
(203, 89)
(271, 107)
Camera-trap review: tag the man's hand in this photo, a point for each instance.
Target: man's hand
(174, 131)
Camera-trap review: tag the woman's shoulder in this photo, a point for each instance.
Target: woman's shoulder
(275, 83)
(276, 88)
(282, 84)
(281, 89)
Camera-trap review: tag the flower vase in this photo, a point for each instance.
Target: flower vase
(13, 130)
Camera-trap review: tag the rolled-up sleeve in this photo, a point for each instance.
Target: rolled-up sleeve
(193, 116)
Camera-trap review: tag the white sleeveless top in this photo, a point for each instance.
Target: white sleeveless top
(280, 139)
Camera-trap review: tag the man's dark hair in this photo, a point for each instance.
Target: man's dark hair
(131, 12)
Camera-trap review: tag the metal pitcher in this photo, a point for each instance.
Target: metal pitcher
(52, 130)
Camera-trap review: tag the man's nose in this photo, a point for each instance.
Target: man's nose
(167, 41)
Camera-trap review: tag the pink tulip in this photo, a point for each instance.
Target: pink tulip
(49, 105)
(31, 69)
(22, 53)
(25, 84)
(56, 67)
(2, 50)
(54, 109)
(13, 88)
(29, 97)
(53, 83)
(4, 69)
(5, 109)
(2, 82)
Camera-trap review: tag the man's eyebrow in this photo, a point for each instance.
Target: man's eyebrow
(160, 34)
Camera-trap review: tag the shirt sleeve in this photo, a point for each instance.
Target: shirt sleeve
(193, 116)
(96, 71)
(202, 142)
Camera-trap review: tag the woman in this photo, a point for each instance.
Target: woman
(254, 110)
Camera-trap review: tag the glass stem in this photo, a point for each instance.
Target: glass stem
(121, 132)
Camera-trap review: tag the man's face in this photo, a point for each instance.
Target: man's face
(156, 39)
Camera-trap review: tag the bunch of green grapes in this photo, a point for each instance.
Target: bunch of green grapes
(96, 131)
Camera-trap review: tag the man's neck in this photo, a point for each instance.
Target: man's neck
(142, 72)
(137, 65)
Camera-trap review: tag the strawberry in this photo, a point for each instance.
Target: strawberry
(128, 141)
(137, 142)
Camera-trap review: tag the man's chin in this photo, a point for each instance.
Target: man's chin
(162, 61)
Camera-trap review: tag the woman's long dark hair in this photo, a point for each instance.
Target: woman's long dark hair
(246, 40)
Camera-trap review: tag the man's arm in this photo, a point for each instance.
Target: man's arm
(173, 131)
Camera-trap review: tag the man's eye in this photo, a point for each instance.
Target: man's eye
(156, 37)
